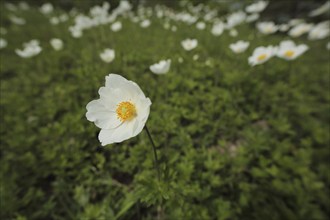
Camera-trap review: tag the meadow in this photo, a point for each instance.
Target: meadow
(234, 141)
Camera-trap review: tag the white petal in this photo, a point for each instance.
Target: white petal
(117, 135)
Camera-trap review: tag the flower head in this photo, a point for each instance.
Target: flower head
(189, 44)
(3, 43)
(261, 55)
(30, 49)
(239, 46)
(108, 55)
(288, 50)
(161, 67)
(319, 31)
(56, 43)
(256, 7)
(121, 111)
(116, 26)
(300, 29)
(267, 27)
(217, 28)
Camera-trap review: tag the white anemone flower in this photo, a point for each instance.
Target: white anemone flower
(3, 43)
(288, 50)
(218, 28)
(189, 44)
(239, 47)
(233, 33)
(321, 10)
(121, 111)
(267, 27)
(252, 17)
(320, 31)
(328, 46)
(283, 27)
(161, 67)
(117, 26)
(235, 19)
(145, 23)
(17, 20)
(200, 25)
(46, 8)
(300, 29)
(56, 43)
(174, 28)
(108, 55)
(296, 21)
(261, 55)
(54, 20)
(256, 7)
(31, 49)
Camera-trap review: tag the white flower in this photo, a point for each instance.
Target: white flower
(17, 20)
(189, 44)
(256, 7)
(46, 8)
(296, 21)
(320, 31)
(252, 18)
(288, 50)
(261, 55)
(217, 28)
(328, 46)
(10, 6)
(239, 46)
(3, 43)
(267, 27)
(200, 25)
(108, 55)
(30, 49)
(54, 20)
(233, 33)
(300, 29)
(180, 60)
(146, 23)
(116, 26)
(235, 19)
(63, 17)
(56, 43)
(321, 10)
(283, 27)
(196, 57)
(76, 32)
(174, 28)
(121, 111)
(161, 67)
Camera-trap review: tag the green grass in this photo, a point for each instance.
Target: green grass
(235, 142)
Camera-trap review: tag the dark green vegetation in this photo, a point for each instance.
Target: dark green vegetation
(235, 142)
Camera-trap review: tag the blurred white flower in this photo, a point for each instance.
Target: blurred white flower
(145, 23)
(117, 26)
(252, 18)
(328, 46)
(300, 29)
(233, 33)
(239, 47)
(30, 49)
(283, 27)
(321, 10)
(46, 8)
(267, 27)
(121, 111)
(288, 50)
(200, 25)
(54, 20)
(76, 32)
(180, 60)
(235, 19)
(17, 20)
(166, 25)
(174, 28)
(3, 43)
(63, 17)
(161, 67)
(261, 55)
(10, 6)
(3, 31)
(217, 28)
(56, 43)
(189, 44)
(108, 55)
(319, 31)
(296, 21)
(196, 57)
(256, 7)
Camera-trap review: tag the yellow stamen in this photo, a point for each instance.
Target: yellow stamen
(262, 57)
(289, 53)
(125, 111)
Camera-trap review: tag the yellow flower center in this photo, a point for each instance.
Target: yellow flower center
(125, 111)
(262, 57)
(289, 53)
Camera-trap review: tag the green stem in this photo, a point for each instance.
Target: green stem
(155, 152)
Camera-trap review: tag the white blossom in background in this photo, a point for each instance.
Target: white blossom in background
(174, 28)
(180, 60)
(189, 44)
(161, 67)
(239, 47)
(3, 43)
(10, 6)
(56, 43)
(17, 20)
(63, 17)
(145, 23)
(195, 57)
(30, 49)
(200, 25)
(117, 26)
(218, 28)
(268, 27)
(288, 50)
(296, 21)
(108, 55)
(261, 55)
(252, 18)
(328, 46)
(54, 20)
(46, 8)
(283, 27)
(121, 111)
(256, 7)
(235, 19)
(320, 31)
(300, 29)
(75, 31)
(233, 33)
(321, 10)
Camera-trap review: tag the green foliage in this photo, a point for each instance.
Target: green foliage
(235, 142)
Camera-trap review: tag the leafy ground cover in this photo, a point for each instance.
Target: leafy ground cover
(234, 141)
